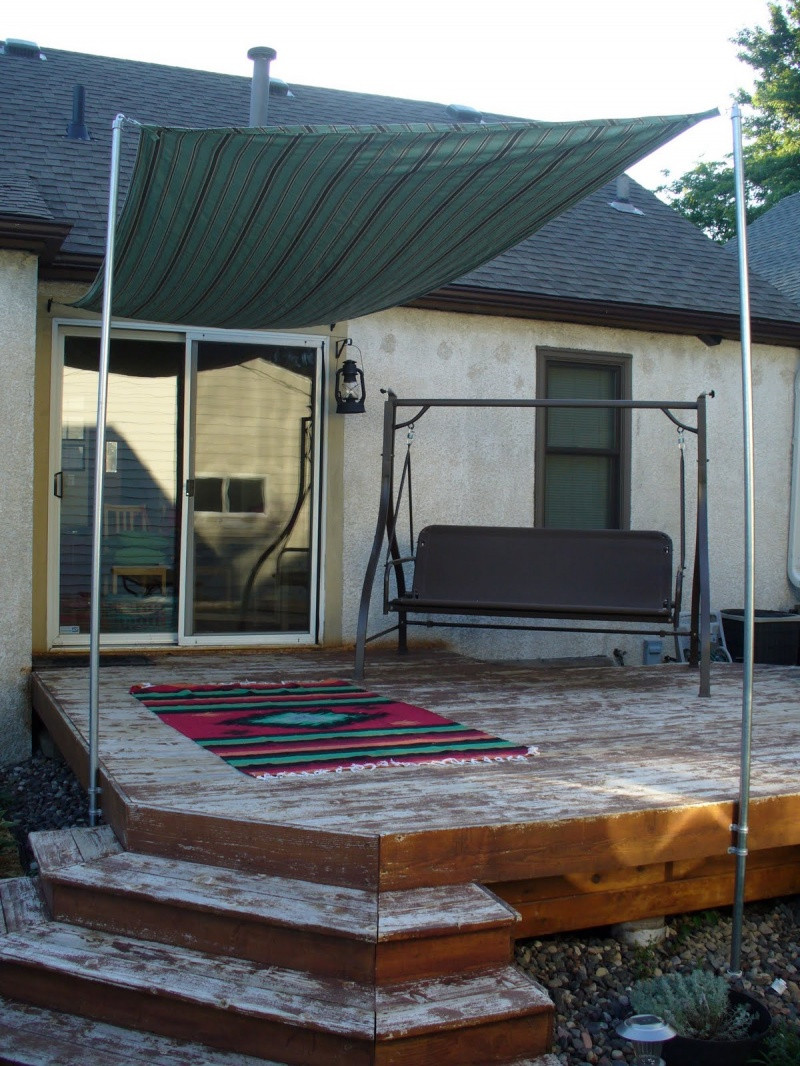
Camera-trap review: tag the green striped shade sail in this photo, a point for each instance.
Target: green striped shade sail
(291, 227)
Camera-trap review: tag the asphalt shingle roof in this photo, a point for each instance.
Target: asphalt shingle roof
(20, 196)
(655, 259)
(591, 253)
(773, 246)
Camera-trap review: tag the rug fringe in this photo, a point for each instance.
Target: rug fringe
(358, 767)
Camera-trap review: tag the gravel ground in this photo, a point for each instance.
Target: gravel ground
(587, 974)
(40, 793)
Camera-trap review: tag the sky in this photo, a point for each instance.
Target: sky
(557, 61)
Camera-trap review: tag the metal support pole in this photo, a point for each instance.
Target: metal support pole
(741, 827)
(384, 512)
(99, 473)
(704, 628)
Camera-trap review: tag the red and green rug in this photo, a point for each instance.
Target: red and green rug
(267, 729)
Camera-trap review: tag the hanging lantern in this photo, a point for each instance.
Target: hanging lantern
(350, 391)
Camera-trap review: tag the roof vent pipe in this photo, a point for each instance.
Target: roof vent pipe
(622, 200)
(77, 130)
(259, 92)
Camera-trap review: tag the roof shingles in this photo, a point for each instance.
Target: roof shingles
(591, 253)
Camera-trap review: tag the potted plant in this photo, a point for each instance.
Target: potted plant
(716, 1025)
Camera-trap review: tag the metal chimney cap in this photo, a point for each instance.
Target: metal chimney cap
(261, 52)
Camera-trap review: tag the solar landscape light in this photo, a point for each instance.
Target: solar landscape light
(647, 1033)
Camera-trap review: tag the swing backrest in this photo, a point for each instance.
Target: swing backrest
(548, 572)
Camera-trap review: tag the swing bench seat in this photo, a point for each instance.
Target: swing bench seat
(606, 575)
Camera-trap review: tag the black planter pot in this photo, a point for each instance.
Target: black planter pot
(686, 1051)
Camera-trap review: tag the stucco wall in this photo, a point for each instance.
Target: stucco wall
(18, 278)
(479, 466)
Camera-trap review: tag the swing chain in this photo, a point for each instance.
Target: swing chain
(681, 438)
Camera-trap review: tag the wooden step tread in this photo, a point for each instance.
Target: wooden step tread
(65, 847)
(178, 974)
(21, 904)
(35, 1036)
(284, 902)
(450, 1002)
(420, 912)
(286, 996)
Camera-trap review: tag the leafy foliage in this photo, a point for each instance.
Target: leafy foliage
(695, 1004)
(705, 194)
(781, 1047)
(688, 925)
(9, 851)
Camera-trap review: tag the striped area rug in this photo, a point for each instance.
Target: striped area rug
(268, 729)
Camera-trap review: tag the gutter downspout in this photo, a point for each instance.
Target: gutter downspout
(793, 560)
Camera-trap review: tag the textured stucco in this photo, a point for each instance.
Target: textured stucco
(478, 467)
(18, 279)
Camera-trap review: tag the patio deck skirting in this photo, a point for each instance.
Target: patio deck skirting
(624, 813)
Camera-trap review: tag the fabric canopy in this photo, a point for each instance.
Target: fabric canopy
(290, 227)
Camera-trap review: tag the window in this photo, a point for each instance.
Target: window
(582, 455)
(230, 495)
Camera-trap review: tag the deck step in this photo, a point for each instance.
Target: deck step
(338, 932)
(35, 1036)
(485, 1017)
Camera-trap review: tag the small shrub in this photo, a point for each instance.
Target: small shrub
(695, 1005)
(781, 1047)
(643, 960)
(688, 925)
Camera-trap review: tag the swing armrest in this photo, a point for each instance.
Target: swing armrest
(386, 570)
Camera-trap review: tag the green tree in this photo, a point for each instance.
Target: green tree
(771, 126)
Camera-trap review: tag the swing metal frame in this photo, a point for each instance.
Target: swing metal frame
(403, 604)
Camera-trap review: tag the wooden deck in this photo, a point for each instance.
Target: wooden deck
(368, 918)
(627, 805)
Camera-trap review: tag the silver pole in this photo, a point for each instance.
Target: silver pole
(741, 827)
(99, 473)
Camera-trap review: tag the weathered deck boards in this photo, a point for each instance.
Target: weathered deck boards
(625, 811)
(634, 769)
(322, 929)
(33, 1036)
(486, 1016)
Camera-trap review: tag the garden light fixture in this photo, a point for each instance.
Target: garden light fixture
(647, 1033)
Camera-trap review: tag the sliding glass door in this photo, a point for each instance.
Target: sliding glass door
(210, 523)
(142, 469)
(250, 515)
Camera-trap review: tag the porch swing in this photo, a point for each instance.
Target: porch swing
(565, 575)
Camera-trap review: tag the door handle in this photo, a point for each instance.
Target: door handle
(190, 486)
(58, 484)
